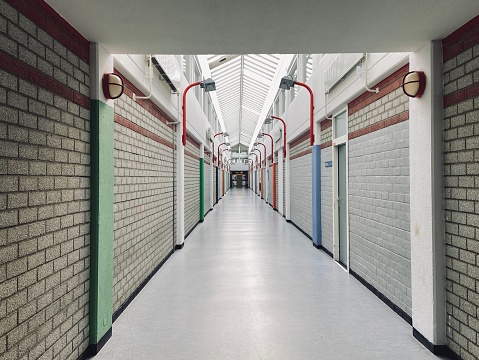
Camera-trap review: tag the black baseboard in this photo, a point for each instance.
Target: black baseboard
(191, 230)
(179, 247)
(383, 298)
(321, 247)
(93, 349)
(297, 227)
(122, 308)
(439, 350)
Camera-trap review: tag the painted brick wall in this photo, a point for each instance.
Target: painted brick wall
(207, 183)
(380, 245)
(192, 185)
(379, 190)
(327, 199)
(461, 180)
(371, 108)
(44, 185)
(143, 194)
(301, 184)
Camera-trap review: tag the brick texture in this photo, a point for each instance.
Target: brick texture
(301, 185)
(379, 233)
(461, 181)
(192, 185)
(44, 188)
(327, 199)
(144, 191)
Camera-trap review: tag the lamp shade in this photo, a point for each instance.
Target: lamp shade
(268, 121)
(414, 83)
(287, 82)
(208, 85)
(112, 85)
(225, 134)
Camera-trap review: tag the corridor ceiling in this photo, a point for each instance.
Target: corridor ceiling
(260, 27)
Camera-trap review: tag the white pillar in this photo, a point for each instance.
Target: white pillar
(280, 181)
(180, 188)
(426, 200)
(288, 178)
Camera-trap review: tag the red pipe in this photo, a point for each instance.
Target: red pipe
(311, 112)
(264, 152)
(260, 159)
(272, 145)
(284, 135)
(218, 153)
(183, 137)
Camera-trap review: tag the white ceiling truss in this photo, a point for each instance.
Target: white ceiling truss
(243, 83)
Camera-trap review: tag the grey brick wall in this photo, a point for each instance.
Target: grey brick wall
(379, 212)
(143, 208)
(327, 199)
(44, 198)
(461, 181)
(192, 187)
(301, 188)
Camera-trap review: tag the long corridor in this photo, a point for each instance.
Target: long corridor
(249, 285)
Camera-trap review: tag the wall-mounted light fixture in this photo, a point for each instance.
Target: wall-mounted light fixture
(287, 82)
(112, 86)
(208, 85)
(414, 83)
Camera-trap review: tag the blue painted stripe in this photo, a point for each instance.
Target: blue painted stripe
(316, 168)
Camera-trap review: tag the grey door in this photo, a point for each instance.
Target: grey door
(342, 211)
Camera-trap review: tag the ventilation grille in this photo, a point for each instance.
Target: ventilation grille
(169, 69)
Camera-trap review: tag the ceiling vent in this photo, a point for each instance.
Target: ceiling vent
(169, 69)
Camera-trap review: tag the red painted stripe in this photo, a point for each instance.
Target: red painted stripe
(456, 97)
(36, 77)
(193, 141)
(461, 40)
(380, 125)
(147, 104)
(303, 153)
(138, 129)
(46, 18)
(386, 86)
(196, 157)
(299, 139)
(326, 145)
(326, 123)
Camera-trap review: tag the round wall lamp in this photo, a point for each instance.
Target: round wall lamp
(112, 86)
(414, 83)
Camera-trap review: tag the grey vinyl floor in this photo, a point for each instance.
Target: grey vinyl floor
(248, 285)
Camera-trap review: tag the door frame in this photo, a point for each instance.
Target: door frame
(342, 140)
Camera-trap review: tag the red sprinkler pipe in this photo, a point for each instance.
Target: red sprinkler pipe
(218, 153)
(183, 137)
(264, 152)
(272, 145)
(311, 112)
(260, 159)
(284, 135)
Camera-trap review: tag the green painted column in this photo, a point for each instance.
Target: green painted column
(101, 203)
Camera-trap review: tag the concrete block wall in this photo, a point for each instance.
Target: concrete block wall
(192, 184)
(461, 182)
(378, 185)
(44, 185)
(380, 244)
(207, 183)
(143, 193)
(301, 183)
